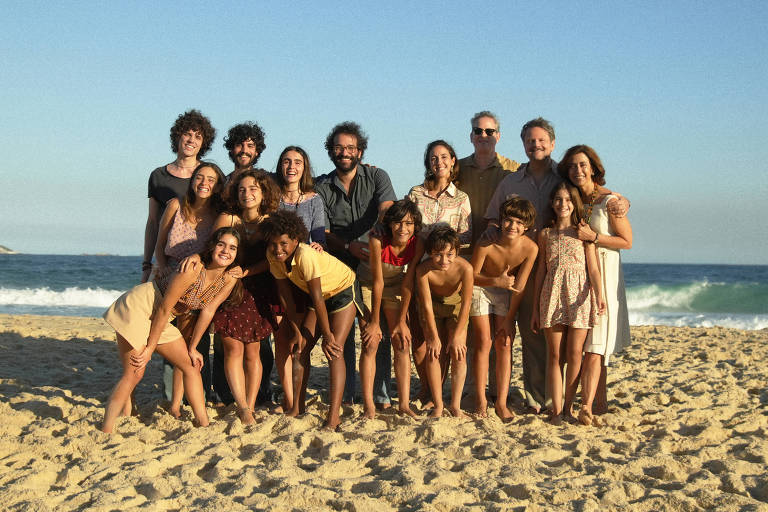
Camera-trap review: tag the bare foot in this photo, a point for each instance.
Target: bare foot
(585, 417)
(369, 413)
(331, 425)
(436, 413)
(599, 408)
(457, 412)
(503, 412)
(246, 416)
(383, 406)
(481, 410)
(278, 409)
(429, 404)
(555, 419)
(569, 417)
(532, 410)
(175, 411)
(407, 411)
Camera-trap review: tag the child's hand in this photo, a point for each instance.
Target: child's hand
(535, 321)
(196, 358)
(316, 246)
(189, 263)
(601, 307)
(402, 334)
(140, 358)
(330, 348)
(371, 333)
(434, 347)
(236, 272)
(506, 331)
(505, 280)
(457, 349)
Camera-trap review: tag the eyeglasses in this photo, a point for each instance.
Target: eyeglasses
(488, 131)
(348, 149)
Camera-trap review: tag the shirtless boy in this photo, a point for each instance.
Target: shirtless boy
(444, 285)
(501, 269)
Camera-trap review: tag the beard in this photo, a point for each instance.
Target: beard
(346, 164)
(236, 160)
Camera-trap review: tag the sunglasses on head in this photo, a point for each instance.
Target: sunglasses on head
(488, 131)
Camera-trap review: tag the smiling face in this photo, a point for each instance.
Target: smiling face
(562, 204)
(190, 143)
(243, 154)
(205, 182)
(537, 144)
(249, 193)
(443, 258)
(292, 167)
(282, 247)
(402, 230)
(483, 142)
(225, 251)
(346, 154)
(441, 162)
(580, 171)
(512, 227)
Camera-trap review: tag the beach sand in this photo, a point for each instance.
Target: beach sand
(687, 429)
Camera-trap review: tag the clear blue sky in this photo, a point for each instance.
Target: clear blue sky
(673, 95)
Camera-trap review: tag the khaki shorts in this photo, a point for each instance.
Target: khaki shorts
(391, 297)
(488, 300)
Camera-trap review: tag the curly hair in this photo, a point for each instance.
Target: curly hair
(197, 122)
(217, 203)
(598, 171)
(440, 238)
(241, 133)
(270, 194)
(284, 222)
(519, 208)
(306, 184)
(398, 211)
(429, 175)
(347, 128)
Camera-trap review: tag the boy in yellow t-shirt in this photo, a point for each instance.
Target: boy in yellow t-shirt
(333, 303)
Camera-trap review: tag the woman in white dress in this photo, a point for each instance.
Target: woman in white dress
(610, 233)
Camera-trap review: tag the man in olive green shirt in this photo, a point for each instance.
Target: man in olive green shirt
(482, 171)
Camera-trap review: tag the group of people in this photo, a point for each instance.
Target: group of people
(483, 242)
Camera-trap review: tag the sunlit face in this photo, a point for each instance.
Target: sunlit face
(538, 146)
(292, 166)
(205, 183)
(244, 153)
(190, 143)
(580, 170)
(562, 204)
(512, 227)
(441, 162)
(249, 193)
(282, 247)
(346, 154)
(443, 259)
(482, 141)
(225, 251)
(402, 230)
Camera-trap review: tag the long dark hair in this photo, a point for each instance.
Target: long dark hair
(429, 175)
(306, 184)
(216, 202)
(578, 206)
(236, 295)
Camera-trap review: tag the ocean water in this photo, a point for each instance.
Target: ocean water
(657, 294)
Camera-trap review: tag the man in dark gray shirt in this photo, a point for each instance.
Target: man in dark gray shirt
(356, 195)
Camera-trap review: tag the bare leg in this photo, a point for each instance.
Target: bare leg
(176, 353)
(458, 376)
(178, 393)
(302, 365)
(402, 368)
(503, 374)
(435, 373)
(367, 374)
(590, 376)
(601, 396)
(253, 370)
(555, 338)
(573, 354)
(284, 363)
(125, 386)
(233, 369)
(341, 322)
(481, 333)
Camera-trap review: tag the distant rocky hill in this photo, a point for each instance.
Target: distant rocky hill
(5, 250)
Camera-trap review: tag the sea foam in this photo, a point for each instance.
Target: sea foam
(73, 296)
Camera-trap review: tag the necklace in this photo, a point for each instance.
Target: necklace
(248, 230)
(591, 204)
(287, 200)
